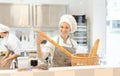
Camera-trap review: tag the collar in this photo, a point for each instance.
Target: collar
(62, 39)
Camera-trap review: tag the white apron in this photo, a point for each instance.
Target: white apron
(60, 59)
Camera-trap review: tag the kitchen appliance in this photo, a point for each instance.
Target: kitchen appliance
(33, 62)
(23, 62)
(82, 34)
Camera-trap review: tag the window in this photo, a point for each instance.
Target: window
(113, 32)
(116, 24)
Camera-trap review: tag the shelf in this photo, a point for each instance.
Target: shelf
(81, 35)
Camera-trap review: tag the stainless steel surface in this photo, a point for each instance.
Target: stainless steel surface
(29, 14)
(48, 14)
(14, 14)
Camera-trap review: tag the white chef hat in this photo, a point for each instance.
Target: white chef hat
(4, 28)
(70, 20)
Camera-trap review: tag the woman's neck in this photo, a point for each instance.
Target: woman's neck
(64, 38)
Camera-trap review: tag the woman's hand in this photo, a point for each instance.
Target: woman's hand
(4, 62)
(39, 39)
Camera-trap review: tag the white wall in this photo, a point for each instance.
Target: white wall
(96, 14)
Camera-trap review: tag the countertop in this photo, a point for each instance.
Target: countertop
(97, 70)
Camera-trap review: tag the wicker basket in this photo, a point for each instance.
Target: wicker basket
(84, 59)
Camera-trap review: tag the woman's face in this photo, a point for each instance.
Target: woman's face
(3, 34)
(64, 29)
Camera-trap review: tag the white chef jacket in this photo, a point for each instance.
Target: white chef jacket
(49, 48)
(12, 43)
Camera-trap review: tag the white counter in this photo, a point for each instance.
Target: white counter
(67, 71)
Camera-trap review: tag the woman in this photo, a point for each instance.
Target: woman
(11, 43)
(67, 25)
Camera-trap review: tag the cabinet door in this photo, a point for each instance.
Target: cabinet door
(48, 15)
(14, 14)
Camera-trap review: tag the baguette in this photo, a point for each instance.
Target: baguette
(93, 51)
(54, 43)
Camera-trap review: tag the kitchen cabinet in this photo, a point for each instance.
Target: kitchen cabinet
(31, 14)
(48, 15)
(14, 15)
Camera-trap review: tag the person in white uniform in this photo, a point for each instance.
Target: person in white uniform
(67, 25)
(11, 43)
